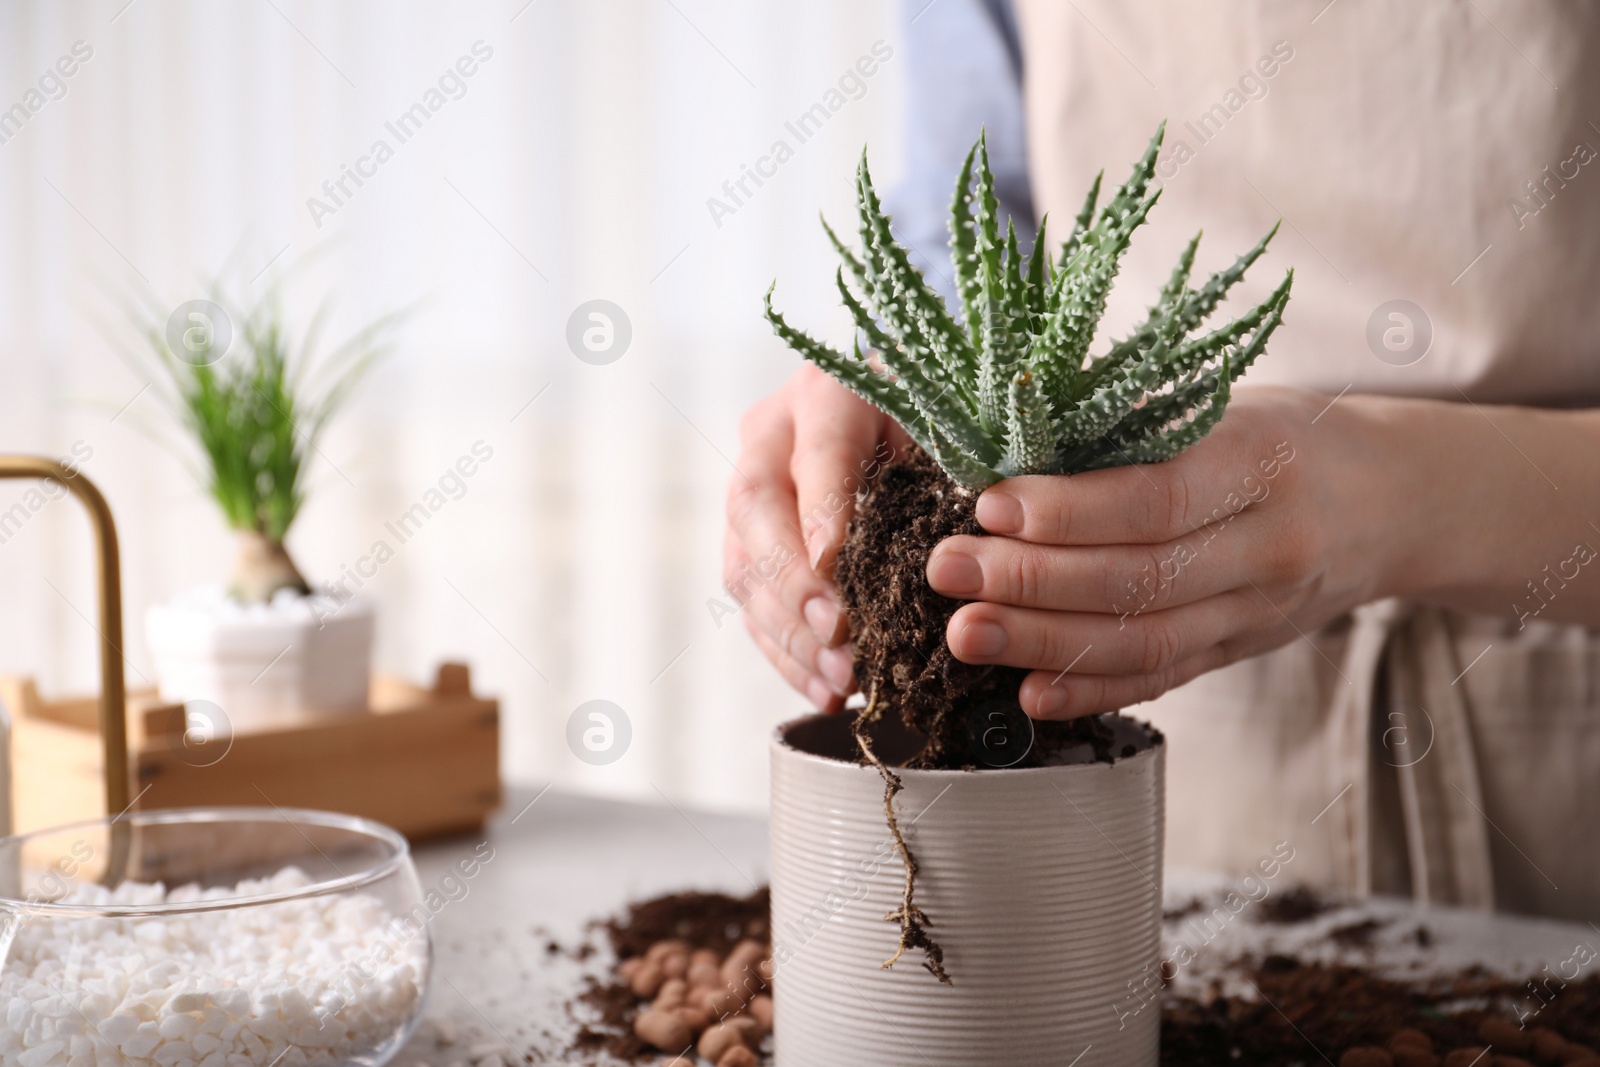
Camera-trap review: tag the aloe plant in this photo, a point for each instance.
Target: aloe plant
(1011, 388)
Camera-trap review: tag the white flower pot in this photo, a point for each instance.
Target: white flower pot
(257, 662)
(1043, 886)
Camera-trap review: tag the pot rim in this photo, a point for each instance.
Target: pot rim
(777, 742)
(212, 600)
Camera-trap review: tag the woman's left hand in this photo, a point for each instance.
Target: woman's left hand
(1116, 585)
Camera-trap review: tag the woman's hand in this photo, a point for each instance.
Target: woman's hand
(1117, 585)
(804, 452)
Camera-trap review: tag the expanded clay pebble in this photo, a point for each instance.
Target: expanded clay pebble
(665, 1030)
(697, 933)
(739, 969)
(1547, 1044)
(1503, 1035)
(718, 1039)
(1412, 1048)
(1366, 1056)
(711, 1004)
(646, 981)
(761, 1011)
(239, 987)
(1411, 1038)
(739, 1056)
(705, 970)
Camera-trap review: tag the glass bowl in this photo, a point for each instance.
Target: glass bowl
(210, 937)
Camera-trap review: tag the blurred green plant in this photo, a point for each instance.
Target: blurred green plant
(256, 410)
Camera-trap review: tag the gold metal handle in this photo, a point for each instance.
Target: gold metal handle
(113, 695)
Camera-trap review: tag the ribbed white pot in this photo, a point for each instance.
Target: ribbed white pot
(1044, 885)
(258, 662)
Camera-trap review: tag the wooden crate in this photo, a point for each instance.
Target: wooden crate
(424, 761)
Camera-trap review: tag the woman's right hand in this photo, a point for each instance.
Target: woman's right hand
(804, 452)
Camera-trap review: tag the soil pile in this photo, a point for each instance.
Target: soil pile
(659, 945)
(1306, 1013)
(1311, 1013)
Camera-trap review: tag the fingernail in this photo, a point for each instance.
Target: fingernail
(837, 666)
(1052, 702)
(822, 615)
(816, 545)
(983, 639)
(955, 574)
(1000, 512)
(819, 693)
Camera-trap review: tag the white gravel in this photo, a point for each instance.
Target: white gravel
(319, 982)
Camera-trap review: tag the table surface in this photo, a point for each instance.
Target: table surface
(560, 861)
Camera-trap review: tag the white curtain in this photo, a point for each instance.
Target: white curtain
(574, 163)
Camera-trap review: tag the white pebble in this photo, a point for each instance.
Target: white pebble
(184, 1003)
(41, 1055)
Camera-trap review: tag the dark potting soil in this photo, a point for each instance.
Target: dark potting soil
(1307, 1015)
(1294, 905)
(706, 920)
(969, 714)
(1310, 1014)
(607, 1007)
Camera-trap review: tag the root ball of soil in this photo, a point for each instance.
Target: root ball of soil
(898, 624)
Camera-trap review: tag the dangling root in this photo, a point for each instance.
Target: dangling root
(913, 921)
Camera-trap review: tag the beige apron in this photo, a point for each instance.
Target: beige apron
(1441, 153)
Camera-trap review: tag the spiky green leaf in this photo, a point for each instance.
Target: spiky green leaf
(918, 304)
(1201, 302)
(934, 401)
(854, 374)
(1080, 224)
(1030, 442)
(963, 469)
(964, 251)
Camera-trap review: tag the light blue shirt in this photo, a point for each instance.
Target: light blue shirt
(964, 74)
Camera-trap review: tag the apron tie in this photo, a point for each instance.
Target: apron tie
(1428, 740)
(1401, 668)
(1353, 703)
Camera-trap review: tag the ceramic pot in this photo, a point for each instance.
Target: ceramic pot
(1043, 886)
(257, 662)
